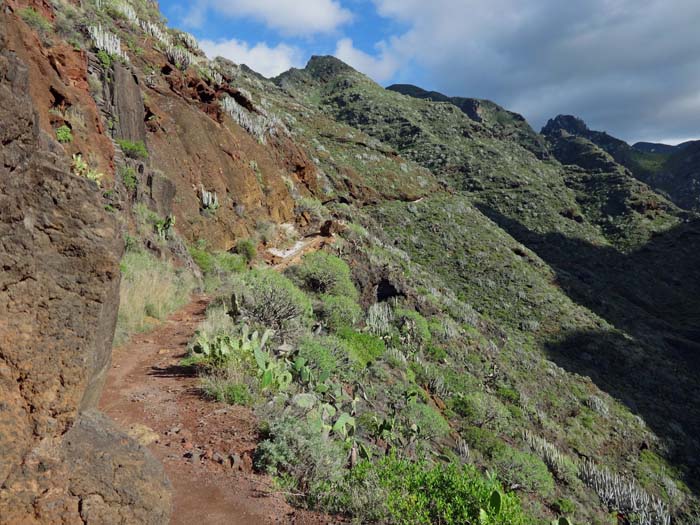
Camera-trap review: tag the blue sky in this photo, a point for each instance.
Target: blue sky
(629, 67)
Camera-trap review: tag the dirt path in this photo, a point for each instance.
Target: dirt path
(283, 259)
(205, 447)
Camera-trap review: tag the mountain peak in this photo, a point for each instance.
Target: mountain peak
(326, 67)
(569, 123)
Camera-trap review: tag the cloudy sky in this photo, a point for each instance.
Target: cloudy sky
(629, 67)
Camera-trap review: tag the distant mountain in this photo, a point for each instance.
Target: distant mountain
(655, 147)
(672, 170)
(484, 111)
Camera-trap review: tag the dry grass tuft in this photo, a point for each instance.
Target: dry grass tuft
(150, 290)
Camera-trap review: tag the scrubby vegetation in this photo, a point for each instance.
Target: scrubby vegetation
(134, 150)
(150, 290)
(34, 19)
(64, 135)
(333, 402)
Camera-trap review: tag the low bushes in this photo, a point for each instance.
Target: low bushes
(323, 273)
(363, 348)
(247, 249)
(275, 302)
(417, 493)
(35, 20)
(216, 266)
(339, 311)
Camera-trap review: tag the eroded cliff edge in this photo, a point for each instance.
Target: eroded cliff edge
(62, 461)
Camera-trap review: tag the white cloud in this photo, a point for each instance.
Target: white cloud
(628, 66)
(266, 60)
(292, 17)
(380, 68)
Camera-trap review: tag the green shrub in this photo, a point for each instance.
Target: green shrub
(523, 469)
(105, 59)
(482, 410)
(408, 493)
(275, 302)
(128, 175)
(295, 448)
(134, 150)
(312, 206)
(218, 262)
(564, 506)
(429, 420)
(484, 440)
(150, 288)
(35, 20)
(363, 348)
(508, 394)
(246, 248)
(318, 355)
(324, 273)
(64, 135)
(339, 311)
(229, 262)
(413, 324)
(203, 259)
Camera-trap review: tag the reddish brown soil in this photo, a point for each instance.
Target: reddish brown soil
(146, 387)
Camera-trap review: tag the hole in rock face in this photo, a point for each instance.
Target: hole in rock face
(243, 101)
(59, 100)
(166, 69)
(386, 291)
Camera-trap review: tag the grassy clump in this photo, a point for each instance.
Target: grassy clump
(482, 410)
(319, 354)
(216, 266)
(339, 311)
(64, 135)
(150, 290)
(35, 20)
(247, 249)
(362, 348)
(128, 175)
(106, 60)
(134, 150)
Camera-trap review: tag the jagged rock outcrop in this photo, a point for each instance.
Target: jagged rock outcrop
(61, 462)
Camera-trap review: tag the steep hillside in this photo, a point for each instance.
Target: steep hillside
(586, 222)
(485, 298)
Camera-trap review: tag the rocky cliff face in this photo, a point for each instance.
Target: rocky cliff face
(61, 462)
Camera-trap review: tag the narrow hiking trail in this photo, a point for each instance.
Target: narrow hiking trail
(205, 447)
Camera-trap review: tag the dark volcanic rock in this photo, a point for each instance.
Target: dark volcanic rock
(59, 295)
(128, 105)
